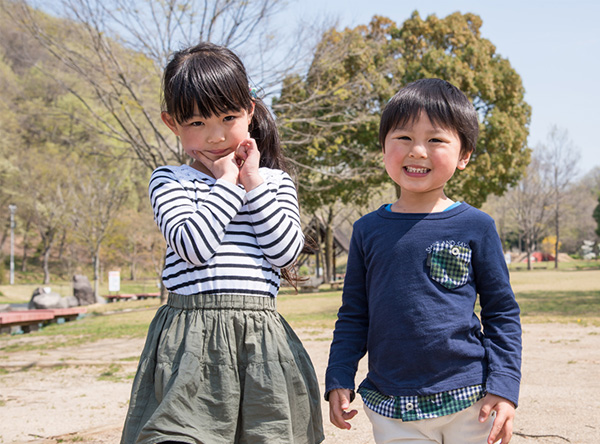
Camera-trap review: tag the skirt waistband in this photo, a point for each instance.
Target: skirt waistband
(221, 302)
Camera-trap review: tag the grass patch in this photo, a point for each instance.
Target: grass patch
(130, 324)
(316, 310)
(560, 306)
(111, 374)
(544, 296)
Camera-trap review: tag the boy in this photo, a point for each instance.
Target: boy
(414, 270)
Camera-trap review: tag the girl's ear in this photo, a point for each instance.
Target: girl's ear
(464, 160)
(251, 112)
(170, 122)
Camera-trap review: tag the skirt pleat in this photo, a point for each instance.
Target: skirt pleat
(223, 369)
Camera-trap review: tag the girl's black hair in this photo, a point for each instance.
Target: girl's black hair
(211, 80)
(444, 104)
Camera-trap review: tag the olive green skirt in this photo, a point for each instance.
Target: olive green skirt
(223, 369)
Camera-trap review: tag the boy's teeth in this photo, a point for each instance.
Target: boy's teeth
(416, 170)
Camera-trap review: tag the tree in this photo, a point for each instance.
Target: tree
(118, 49)
(597, 217)
(560, 157)
(355, 72)
(530, 200)
(329, 116)
(97, 196)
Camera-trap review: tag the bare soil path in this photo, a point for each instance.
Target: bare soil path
(80, 394)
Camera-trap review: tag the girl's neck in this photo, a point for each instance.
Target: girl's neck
(197, 165)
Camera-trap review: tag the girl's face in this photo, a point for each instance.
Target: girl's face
(422, 157)
(215, 137)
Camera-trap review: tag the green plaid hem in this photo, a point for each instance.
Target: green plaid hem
(414, 408)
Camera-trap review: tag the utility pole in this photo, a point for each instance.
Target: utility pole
(12, 209)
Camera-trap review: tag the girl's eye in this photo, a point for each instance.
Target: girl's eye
(403, 138)
(434, 140)
(229, 118)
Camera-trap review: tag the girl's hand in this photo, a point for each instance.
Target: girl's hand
(247, 158)
(503, 423)
(223, 168)
(339, 403)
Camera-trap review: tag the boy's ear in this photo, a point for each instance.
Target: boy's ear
(464, 160)
(170, 122)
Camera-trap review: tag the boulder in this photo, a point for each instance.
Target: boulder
(44, 297)
(82, 290)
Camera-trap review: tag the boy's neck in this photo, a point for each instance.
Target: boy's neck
(418, 203)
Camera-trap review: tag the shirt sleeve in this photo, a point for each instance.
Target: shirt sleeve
(349, 343)
(275, 216)
(500, 317)
(192, 230)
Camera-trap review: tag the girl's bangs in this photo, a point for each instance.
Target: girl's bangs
(206, 93)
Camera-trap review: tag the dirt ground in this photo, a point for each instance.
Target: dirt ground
(80, 394)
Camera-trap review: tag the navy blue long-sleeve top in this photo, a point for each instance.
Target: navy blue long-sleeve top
(409, 300)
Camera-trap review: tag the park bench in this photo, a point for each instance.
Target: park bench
(31, 320)
(130, 296)
(338, 284)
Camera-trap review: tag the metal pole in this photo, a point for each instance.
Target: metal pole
(12, 209)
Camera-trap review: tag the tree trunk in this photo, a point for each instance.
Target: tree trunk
(528, 248)
(46, 267)
(96, 272)
(25, 238)
(557, 235)
(318, 252)
(132, 266)
(329, 248)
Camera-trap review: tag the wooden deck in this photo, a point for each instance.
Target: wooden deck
(32, 320)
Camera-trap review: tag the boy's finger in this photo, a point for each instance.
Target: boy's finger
(484, 413)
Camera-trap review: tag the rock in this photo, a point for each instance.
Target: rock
(44, 297)
(82, 290)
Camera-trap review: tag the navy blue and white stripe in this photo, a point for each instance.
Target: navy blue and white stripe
(221, 239)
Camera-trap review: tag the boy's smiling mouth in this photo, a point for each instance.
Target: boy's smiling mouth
(416, 170)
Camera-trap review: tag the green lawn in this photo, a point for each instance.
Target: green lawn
(544, 296)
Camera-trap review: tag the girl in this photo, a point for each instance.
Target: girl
(220, 365)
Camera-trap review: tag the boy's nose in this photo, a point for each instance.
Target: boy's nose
(418, 150)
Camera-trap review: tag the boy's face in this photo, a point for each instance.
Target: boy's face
(421, 157)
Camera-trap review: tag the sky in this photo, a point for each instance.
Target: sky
(554, 45)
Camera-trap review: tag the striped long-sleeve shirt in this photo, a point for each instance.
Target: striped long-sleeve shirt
(221, 239)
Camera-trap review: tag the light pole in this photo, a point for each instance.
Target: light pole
(12, 209)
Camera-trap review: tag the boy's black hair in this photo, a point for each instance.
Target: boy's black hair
(212, 80)
(444, 104)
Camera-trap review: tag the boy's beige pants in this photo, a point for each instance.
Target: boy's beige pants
(459, 428)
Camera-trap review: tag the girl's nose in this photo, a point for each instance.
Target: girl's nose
(216, 135)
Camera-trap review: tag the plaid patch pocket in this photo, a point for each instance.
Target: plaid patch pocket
(449, 264)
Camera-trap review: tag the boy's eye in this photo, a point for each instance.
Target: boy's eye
(434, 140)
(196, 123)
(403, 138)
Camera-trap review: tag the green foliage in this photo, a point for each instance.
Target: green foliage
(330, 117)
(596, 216)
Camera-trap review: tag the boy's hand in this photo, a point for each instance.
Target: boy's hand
(505, 414)
(339, 403)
